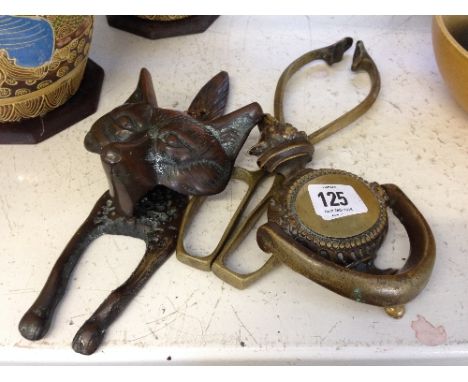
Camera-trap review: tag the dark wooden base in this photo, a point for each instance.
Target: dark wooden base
(161, 29)
(81, 105)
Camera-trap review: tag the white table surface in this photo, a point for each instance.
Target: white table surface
(414, 136)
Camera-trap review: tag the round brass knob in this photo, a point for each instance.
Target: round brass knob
(334, 213)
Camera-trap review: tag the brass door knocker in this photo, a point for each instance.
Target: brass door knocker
(326, 224)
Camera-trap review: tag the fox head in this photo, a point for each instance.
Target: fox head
(143, 146)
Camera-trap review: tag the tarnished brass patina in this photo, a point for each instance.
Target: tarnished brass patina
(326, 224)
(367, 284)
(346, 240)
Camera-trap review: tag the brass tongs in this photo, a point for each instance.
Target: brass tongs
(238, 228)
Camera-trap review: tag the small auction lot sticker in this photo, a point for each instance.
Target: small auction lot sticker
(334, 201)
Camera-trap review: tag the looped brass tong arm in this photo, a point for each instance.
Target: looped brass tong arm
(331, 55)
(237, 228)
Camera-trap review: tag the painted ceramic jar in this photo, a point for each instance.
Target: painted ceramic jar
(42, 61)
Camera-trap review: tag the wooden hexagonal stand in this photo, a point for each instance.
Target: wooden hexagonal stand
(154, 29)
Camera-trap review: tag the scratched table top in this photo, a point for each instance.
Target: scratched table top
(414, 136)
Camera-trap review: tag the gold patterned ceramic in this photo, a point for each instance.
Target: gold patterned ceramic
(450, 41)
(163, 17)
(42, 61)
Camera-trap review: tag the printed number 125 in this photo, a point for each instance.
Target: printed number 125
(335, 199)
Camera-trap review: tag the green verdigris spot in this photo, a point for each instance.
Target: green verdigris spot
(357, 294)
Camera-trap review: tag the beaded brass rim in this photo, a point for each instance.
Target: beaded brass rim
(340, 246)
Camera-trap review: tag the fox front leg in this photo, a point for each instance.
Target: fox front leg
(36, 321)
(90, 335)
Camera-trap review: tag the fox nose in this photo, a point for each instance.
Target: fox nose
(91, 144)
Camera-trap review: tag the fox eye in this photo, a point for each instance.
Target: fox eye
(172, 140)
(123, 133)
(125, 122)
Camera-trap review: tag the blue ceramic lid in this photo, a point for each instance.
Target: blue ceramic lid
(27, 40)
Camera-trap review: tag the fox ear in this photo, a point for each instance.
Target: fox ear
(211, 100)
(233, 129)
(144, 92)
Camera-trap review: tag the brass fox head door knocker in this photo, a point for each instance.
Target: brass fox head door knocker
(326, 224)
(153, 159)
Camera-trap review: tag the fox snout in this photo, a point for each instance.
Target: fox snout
(91, 143)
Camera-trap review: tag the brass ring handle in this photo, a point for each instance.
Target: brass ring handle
(382, 290)
(252, 178)
(219, 268)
